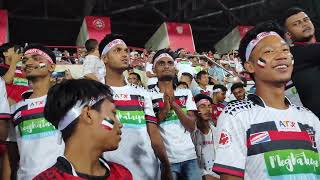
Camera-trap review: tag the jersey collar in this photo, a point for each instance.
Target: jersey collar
(259, 101)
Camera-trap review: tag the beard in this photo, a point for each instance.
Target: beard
(166, 78)
(305, 39)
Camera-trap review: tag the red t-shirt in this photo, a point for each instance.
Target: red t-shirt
(216, 111)
(19, 84)
(63, 170)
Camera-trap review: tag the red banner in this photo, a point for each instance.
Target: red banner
(98, 27)
(180, 36)
(3, 26)
(243, 30)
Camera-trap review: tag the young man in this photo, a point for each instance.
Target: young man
(183, 64)
(134, 107)
(267, 137)
(238, 91)
(36, 138)
(84, 112)
(187, 78)
(15, 80)
(203, 82)
(175, 120)
(152, 78)
(218, 97)
(202, 136)
(93, 67)
(305, 51)
(134, 78)
(4, 111)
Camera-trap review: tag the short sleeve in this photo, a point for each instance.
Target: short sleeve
(4, 105)
(148, 109)
(230, 146)
(149, 67)
(190, 104)
(88, 66)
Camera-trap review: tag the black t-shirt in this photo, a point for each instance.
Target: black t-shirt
(306, 74)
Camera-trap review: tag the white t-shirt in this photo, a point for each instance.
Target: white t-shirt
(93, 64)
(255, 141)
(184, 67)
(39, 142)
(4, 104)
(205, 150)
(134, 107)
(152, 80)
(198, 90)
(176, 138)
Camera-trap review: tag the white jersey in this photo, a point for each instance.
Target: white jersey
(152, 80)
(39, 142)
(176, 138)
(184, 66)
(198, 90)
(93, 64)
(4, 104)
(205, 150)
(255, 141)
(133, 108)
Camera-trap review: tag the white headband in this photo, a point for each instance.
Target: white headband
(217, 90)
(75, 112)
(38, 52)
(202, 101)
(161, 56)
(111, 44)
(255, 41)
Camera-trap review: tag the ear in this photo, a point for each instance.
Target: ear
(86, 115)
(288, 35)
(104, 59)
(249, 66)
(51, 67)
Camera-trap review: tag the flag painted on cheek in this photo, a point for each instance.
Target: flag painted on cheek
(107, 123)
(261, 63)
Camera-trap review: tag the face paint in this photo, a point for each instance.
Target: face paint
(42, 65)
(261, 62)
(107, 123)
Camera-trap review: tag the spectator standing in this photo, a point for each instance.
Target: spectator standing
(218, 97)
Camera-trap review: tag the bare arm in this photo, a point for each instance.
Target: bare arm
(162, 115)
(91, 76)
(10, 161)
(229, 177)
(8, 77)
(150, 75)
(3, 130)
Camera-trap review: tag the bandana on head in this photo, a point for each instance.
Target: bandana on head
(217, 90)
(39, 52)
(161, 56)
(111, 44)
(255, 41)
(202, 101)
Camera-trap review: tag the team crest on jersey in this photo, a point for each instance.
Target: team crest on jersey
(36, 104)
(155, 105)
(286, 125)
(182, 101)
(141, 101)
(311, 134)
(225, 139)
(260, 137)
(122, 97)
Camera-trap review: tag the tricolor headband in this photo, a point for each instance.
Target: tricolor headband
(111, 44)
(217, 90)
(255, 41)
(75, 112)
(161, 56)
(202, 101)
(39, 52)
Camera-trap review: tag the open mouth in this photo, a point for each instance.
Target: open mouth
(307, 29)
(281, 67)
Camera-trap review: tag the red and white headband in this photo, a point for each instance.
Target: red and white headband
(203, 101)
(162, 56)
(35, 51)
(255, 41)
(111, 44)
(217, 90)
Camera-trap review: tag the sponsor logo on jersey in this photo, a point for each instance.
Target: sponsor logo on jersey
(182, 101)
(122, 97)
(17, 115)
(260, 137)
(286, 125)
(36, 104)
(225, 139)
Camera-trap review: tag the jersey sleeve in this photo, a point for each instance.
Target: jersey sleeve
(88, 66)
(149, 67)
(4, 105)
(148, 109)
(230, 146)
(190, 104)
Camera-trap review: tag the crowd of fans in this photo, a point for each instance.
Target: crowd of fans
(163, 114)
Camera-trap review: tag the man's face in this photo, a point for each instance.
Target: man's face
(117, 58)
(109, 137)
(186, 79)
(278, 66)
(300, 27)
(183, 53)
(36, 66)
(133, 79)
(204, 80)
(164, 68)
(221, 96)
(239, 93)
(205, 111)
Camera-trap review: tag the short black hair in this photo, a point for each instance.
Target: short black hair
(187, 74)
(161, 51)
(138, 75)
(6, 46)
(199, 74)
(290, 12)
(237, 85)
(182, 83)
(198, 97)
(62, 97)
(42, 48)
(107, 39)
(91, 44)
(220, 86)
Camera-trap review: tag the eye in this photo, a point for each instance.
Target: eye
(267, 52)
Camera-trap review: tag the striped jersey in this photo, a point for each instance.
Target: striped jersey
(255, 141)
(176, 138)
(4, 105)
(39, 142)
(133, 108)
